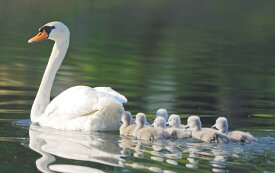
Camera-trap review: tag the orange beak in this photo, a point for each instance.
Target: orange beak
(39, 37)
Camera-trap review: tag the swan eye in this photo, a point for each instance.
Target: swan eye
(41, 29)
(47, 29)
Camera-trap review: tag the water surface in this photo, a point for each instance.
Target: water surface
(191, 57)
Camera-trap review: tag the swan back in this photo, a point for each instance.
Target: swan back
(119, 97)
(240, 136)
(211, 135)
(151, 133)
(178, 133)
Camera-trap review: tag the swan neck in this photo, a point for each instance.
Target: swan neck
(197, 128)
(139, 126)
(177, 125)
(223, 131)
(42, 98)
(125, 124)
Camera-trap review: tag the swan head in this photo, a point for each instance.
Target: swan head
(221, 124)
(159, 122)
(174, 121)
(140, 119)
(194, 122)
(126, 117)
(162, 113)
(54, 31)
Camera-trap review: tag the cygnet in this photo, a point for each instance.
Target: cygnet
(133, 119)
(174, 121)
(146, 132)
(205, 134)
(162, 113)
(236, 136)
(173, 132)
(126, 128)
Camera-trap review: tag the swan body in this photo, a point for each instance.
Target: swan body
(236, 135)
(174, 121)
(205, 134)
(179, 133)
(146, 132)
(77, 108)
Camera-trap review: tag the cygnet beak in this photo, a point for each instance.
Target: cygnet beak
(187, 127)
(214, 126)
(167, 124)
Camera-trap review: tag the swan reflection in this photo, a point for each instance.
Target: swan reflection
(96, 147)
(107, 149)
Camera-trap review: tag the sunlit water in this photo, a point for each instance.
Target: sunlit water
(70, 151)
(188, 57)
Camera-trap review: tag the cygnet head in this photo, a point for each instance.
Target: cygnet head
(159, 122)
(174, 121)
(221, 124)
(126, 117)
(55, 31)
(162, 113)
(140, 119)
(194, 123)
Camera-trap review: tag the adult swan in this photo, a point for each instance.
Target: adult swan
(77, 108)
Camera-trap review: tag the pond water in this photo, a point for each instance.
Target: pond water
(190, 57)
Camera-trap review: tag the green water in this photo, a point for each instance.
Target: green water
(208, 58)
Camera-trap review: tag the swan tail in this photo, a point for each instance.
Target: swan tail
(249, 138)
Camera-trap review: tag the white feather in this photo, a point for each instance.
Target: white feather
(79, 107)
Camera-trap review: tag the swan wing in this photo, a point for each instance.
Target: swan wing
(112, 92)
(79, 101)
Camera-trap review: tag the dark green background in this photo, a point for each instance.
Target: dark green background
(203, 57)
(200, 57)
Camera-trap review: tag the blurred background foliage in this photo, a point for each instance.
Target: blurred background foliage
(190, 57)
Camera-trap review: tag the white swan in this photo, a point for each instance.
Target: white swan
(162, 113)
(205, 134)
(77, 108)
(236, 135)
